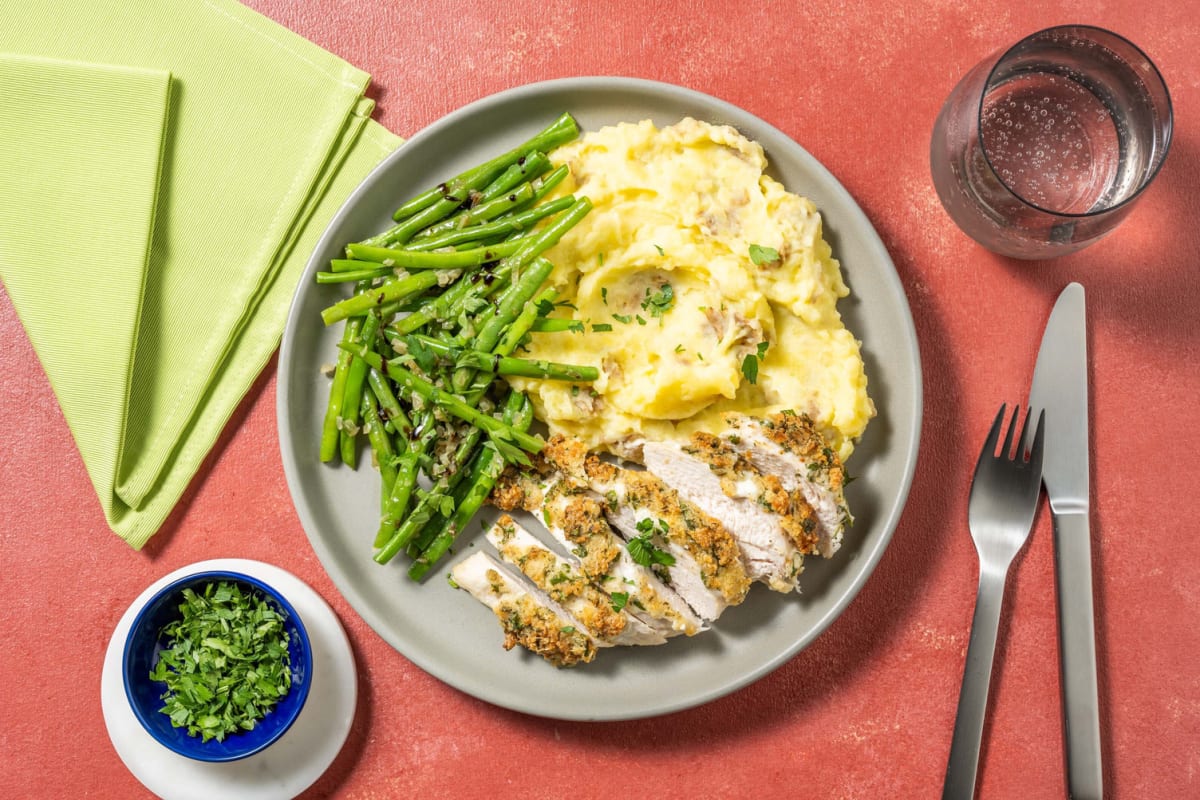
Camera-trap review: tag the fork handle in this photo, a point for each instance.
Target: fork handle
(977, 677)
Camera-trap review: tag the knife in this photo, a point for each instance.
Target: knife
(1060, 383)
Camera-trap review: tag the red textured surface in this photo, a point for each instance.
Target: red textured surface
(867, 710)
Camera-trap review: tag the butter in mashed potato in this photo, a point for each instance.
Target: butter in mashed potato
(664, 258)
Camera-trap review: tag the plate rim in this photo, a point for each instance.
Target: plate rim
(878, 253)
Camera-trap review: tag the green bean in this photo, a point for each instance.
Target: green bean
(352, 400)
(332, 426)
(498, 227)
(392, 292)
(561, 131)
(415, 259)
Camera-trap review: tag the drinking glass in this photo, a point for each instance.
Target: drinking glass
(1044, 147)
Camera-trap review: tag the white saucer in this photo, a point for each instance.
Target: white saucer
(286, 768)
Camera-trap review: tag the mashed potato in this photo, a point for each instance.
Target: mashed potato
(704, 287)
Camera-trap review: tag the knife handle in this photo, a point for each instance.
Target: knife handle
(1077, 651)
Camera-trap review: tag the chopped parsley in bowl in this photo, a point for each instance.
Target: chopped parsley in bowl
(217, 666)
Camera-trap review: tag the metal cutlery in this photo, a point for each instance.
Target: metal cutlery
(1004, 498)
(1060, 388)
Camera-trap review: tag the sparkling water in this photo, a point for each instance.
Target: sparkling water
(1054, 143)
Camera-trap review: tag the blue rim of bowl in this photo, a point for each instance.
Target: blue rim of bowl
(275, 596)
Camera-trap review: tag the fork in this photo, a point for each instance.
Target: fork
(1004, 498)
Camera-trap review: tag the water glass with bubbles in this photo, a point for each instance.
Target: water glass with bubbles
(1044, 147)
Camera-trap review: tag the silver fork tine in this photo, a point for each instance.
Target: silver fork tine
(989, 447)
(1004, 497)
(1012, 425)
(1022, 448)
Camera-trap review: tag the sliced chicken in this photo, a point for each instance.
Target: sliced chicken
(648, 554)
(529, 619)
(602, 616)
(575, 518)
(789, 446)
(770, 529)
(695, 553)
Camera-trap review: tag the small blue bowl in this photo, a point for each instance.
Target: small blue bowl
(143, 645)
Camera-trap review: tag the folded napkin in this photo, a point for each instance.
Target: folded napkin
(169, 167)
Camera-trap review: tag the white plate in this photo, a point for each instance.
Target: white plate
(448, 633)
(290, 765)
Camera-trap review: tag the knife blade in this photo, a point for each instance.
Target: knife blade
(1060, 388)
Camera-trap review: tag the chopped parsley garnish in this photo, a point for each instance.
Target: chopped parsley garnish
(643, 551)
(750, 368)
(226, 664)
(544, 307)
(420, 352)
(601, 327)
(763, 255)
(660, 250)
(678, 348)
(647, 525)
(619, 599)
(659, 302)
(640, 319)
(750, 362)
(625, 318)
(603, 289)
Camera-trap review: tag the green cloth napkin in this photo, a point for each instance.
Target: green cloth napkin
(178, 160)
